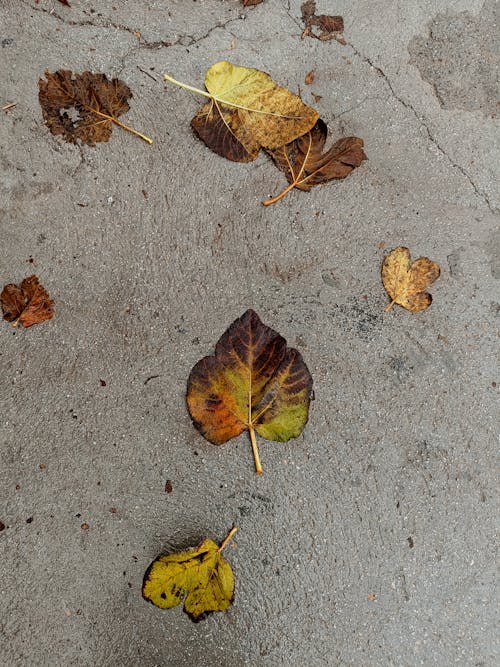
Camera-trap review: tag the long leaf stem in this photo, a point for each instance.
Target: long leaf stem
(255, 450)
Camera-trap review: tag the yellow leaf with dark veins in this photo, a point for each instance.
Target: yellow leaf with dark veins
(199, 577)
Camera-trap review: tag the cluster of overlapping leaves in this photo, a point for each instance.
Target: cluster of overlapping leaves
(247, 112)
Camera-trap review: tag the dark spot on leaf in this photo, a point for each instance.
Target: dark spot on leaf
(163, 596)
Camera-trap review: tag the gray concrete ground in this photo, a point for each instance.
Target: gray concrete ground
(370, 539)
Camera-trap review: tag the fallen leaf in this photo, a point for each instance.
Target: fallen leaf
(253, 383)
(247, 111)
(328, 27)
(92, 98)
(168, 486)
(65, 2)
(28, 304)
(200, 577)
(405, 282)
(251, 3)
(309, 78)
(305, 165)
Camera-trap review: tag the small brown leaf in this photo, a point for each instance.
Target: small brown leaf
(305, 165)
(95, 99)
(309, 78)
(168, 486)
(405, 282)
(327, 27)
(251, 3)
(28, 304)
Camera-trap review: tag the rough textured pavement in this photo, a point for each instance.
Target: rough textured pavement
(370, 539)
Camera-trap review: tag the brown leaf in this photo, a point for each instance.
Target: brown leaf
(92, 97)
(309, 78)
(405, 281)
(28, 304)
(305, 165)
(327, 27)
(214, 125)
(251, 3)
(65, 2)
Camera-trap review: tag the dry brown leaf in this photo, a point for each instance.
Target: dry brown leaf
(28, 304)
(323, 26)
(95, 100)
(251, 3)
(309, 78)
(305, 165)
(406, 282)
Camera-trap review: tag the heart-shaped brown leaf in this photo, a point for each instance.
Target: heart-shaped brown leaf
(305, 165)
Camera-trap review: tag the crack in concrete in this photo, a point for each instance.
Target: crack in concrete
(481, 194)
(143, 44)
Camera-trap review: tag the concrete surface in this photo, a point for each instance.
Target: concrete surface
(370, 540)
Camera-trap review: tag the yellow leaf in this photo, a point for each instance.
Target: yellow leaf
(247, 111)
(199, 576)
(405, 282)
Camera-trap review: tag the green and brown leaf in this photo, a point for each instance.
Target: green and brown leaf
(253, 383)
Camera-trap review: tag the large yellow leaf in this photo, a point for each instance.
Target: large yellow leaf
(247, 111)
(199, 576)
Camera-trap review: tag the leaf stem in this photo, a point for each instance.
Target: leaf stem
(122, 125)
(256, 457)
(268, 202)
(228, 537)
(296, 179)
(186, 87)
(389, 306)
